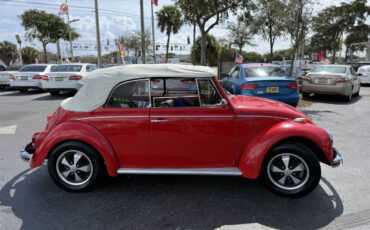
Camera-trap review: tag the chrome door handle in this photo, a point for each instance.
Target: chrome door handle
(159, 121)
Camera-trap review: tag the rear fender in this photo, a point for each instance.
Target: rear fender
(79, 131)
(254, 153)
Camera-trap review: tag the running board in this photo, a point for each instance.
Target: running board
(224, 171)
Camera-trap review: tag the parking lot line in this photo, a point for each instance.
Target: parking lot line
(9, 130)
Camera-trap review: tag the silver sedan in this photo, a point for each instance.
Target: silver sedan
(332, 79)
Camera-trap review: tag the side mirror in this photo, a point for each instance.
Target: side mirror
(359, 74)
(224, 75)
(223, 103)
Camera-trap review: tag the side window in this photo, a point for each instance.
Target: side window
(132, 94)
(90, 68)
(209, 96)
(174, 92)
(236, 73)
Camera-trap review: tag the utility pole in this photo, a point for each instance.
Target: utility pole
(20, 48)
(143, 55)
(155, 61)
(59, 53)
(97, 33)
(70, 34)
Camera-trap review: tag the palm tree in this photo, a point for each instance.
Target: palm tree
(8, 52)
(170, 20)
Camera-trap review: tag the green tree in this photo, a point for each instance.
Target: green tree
(333, 22)
(213, 50)
(29, 54)
(132, 43)
(240, 34)
(8, 52)
(207, 14)
(297, 21)
(47, 28)
(169, 19)
(269, 21)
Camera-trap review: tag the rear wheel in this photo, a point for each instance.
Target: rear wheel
(54, 93)
(75, 166)
(23, 90)
(348, 98)
(358, 92)
(305, 95)
(291, 169)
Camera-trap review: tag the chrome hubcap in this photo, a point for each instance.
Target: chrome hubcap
(288, 171)
(74, 167)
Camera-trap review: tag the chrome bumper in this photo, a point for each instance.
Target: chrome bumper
(337, 158)
(27, 152)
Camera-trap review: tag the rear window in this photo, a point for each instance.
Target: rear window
(264, 71)
(66, 68)
(329, 69)
(33, 68)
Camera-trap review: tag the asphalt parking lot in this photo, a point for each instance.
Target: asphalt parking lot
(30, 200)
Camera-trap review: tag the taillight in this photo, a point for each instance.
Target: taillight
(341, 80)
(307, 78)
(75, 77)
(12, 77)
(45, 78)
(37, 77)
(249, 86)
(292, 85)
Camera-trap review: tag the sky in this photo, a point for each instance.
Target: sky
(117, 17)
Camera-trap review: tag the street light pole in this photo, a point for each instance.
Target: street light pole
(154, 60)
(142, 33)
(97, 33)
(70, 35)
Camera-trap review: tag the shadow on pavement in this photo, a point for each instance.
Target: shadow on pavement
(164, 202)
(332, 99)
(18, 93)
(49, 97)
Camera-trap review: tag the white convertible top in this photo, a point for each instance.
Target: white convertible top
(99, 83)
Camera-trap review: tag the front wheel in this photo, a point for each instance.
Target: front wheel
(75, 166)
(291, 169)
(305, 95)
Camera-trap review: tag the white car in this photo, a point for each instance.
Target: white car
(364, 72)
(4, 78)
(29, 77)
(66, 77)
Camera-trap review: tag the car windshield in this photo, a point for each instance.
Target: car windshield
(365, 69)
(329, 69)
(66, 68)
(264, 71)
(33, 68)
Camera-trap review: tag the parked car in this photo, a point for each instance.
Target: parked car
(332, 79)
(177, 119)
(66, 77)
(262, 80)
(29, 77)
(108, 65)
(297, 74)
(4, 78)
(364, 74)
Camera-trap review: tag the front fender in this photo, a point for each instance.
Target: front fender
(252, 157)
(76, 130)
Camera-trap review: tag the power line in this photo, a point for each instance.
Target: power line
(73, 6)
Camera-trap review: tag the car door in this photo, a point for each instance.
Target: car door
(124, 121)
(189, 125)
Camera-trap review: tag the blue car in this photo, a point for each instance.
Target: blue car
(262, 80)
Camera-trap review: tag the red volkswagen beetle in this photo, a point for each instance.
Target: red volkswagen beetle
(177, 119)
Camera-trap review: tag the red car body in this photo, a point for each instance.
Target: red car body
(238, 134)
